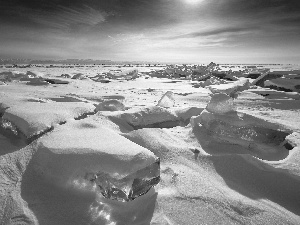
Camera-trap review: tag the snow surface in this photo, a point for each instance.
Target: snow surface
(210, 172)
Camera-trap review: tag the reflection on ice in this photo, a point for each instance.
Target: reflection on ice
(248, 133)
(100, 211)
(8, 126)
(127, 188)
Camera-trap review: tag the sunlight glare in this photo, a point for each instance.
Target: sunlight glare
(193, 1)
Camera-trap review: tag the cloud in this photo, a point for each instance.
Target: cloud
(213, 32)
(71, 18)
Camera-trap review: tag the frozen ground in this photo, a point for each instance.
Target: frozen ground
(78, 151)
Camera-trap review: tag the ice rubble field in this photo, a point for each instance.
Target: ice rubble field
(150, 145)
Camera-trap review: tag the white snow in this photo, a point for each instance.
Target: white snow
(223, 160)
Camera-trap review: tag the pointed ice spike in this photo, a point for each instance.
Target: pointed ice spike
(167, 100)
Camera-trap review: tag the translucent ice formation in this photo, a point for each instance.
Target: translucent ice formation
(110, 105)
(130, 187)
(102, 160)
(220, 104)
(8, 126)
(167, 100)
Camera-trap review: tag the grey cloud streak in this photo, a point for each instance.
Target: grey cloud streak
(219, 31)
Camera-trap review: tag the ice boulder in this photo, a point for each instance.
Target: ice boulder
(11, 75)
(212, 81)
(266, 76)
(6, 75)
(220, 104)
(56, 81)
(33, 118)
(167, 100)
(110, 105)
(31, 74)
(147, 117)
(79, 76)
(283, 84)
(81, 152)
(231, 89)
(74, 174)
(65, 75)
(37, 82)
(258, 137)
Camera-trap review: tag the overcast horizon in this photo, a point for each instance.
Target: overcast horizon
(187, 31)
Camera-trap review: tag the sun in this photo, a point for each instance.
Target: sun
(193, 1)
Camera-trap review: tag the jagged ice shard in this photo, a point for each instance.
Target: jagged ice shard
(223, 123)
(220, 104)
(167, 100)
(130, 187)
(7, 126)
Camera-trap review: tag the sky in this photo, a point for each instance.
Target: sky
(169, 31)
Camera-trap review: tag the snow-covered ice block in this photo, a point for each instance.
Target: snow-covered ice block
(167, 100)
(147, 116)
(220, 104)
(212, 81)
(79, 76)
(186, 114)
(265, 76)
(32, 118)
(259, 136)
(231, 88)
(86, 155)
(110, 105)
(65, 176)
(37, 81)
(283, 84)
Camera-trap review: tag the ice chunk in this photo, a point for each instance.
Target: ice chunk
(65, 75)
(32, 118)
(212, 81)
(253, 137)
(37, 81)
(167, 100)
(261, 137)
(148, 116)
(130, 187)
(78, 148)
(110, 105)
(231, 89)
(8, 127)
(220, 104)
(79, 76)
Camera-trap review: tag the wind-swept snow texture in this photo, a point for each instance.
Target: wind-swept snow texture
(112, 153)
